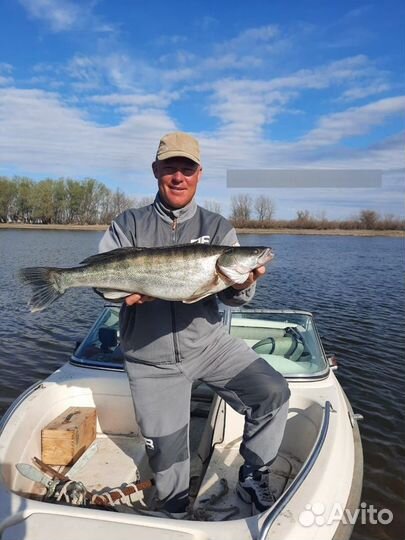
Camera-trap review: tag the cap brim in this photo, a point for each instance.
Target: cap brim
(177, 153)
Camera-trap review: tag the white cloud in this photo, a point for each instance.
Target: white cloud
(171, 39)
(179, 58)
(207, 22)
(355, 121)
(361, 92)
(45, 136)
(116, 70)
(251, 36)
(230, 61)
(5, 68)
(66, 15)
(85, 72)
(61, 15)
(5, 80)
(5, 74)
(246, 106)
(127, 101)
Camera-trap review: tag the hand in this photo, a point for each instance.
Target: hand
(137, 298)
(253, 276)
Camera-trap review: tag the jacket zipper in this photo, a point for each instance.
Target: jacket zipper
(174, 229)
(172, 307)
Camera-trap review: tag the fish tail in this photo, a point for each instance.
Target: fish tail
(46, 285)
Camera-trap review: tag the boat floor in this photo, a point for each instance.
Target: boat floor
(113, 461)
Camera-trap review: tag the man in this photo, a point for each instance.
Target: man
(168, 345)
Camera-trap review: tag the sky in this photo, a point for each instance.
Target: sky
(88, 87)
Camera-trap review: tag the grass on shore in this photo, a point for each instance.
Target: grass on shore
(330, 232)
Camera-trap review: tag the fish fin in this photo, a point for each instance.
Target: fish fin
(108, 255)
(113, 295)
(45, 286)
(206, 290)
(233, 274)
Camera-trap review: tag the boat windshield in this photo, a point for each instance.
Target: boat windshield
(288, 340)
(101, 347)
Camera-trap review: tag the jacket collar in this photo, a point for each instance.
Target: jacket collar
(169, 214)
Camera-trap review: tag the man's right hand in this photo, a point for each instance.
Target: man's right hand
(137, 298)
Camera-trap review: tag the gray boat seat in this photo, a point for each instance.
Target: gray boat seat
(288, 346)
(108, 338)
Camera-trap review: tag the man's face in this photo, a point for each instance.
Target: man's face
(177, 180)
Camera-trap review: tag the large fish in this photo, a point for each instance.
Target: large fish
(184, 273)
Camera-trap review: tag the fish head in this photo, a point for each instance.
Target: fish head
(237, 262)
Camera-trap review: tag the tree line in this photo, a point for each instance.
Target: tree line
(249, 212)
(68, 201)
(63, 201)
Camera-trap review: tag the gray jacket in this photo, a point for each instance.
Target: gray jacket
(161, 331)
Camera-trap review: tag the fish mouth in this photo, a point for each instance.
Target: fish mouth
(265, 256)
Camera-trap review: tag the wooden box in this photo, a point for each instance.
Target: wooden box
(65, 439)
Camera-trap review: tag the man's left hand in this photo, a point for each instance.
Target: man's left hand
(253, 276)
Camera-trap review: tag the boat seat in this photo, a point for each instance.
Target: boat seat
(108, 338)
(109, 344)
(288, 346)
(107, 348)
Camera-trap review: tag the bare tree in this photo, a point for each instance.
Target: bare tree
(120, 202)
(212, 206)
(92, 195)
(369, 219)
(303, 216)
(264, 208)
(143, 201)
(241, 208)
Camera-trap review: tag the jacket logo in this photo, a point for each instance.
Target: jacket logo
(149, 444)
(202, 240)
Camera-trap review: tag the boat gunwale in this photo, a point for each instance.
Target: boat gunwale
(306, 468)
(344, 530)
(17, 402)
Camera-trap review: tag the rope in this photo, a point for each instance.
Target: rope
(202, 512)
(75, 493)
(72, 492)
(107, 495)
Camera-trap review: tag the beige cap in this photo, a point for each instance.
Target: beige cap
(178, 144)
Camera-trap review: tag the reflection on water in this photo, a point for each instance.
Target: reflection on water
(354, 286)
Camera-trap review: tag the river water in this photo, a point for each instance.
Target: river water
(354, 285)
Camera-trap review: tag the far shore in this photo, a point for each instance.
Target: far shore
(322, 232)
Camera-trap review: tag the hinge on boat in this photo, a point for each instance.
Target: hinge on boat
(355, 417)
(332, 361)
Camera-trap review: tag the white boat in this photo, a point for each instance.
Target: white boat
(317, 476)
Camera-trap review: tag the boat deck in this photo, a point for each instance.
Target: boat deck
(114, 461)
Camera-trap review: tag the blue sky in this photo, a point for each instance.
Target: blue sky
(87, 88)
